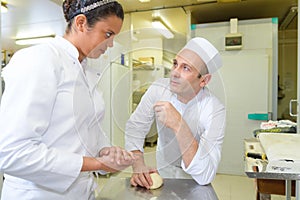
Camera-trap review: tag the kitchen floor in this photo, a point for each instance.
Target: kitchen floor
(227, 187)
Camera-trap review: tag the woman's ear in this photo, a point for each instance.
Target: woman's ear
(205, 80)
(80, 22)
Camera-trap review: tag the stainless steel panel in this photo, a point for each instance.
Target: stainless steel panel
(173, 189)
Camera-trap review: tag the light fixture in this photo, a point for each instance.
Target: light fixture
(33, 40)
(161, 27)
(144, 1)
(3, 7)
(289, 18)
(228, 1)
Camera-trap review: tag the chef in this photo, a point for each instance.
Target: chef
(190, 120)
(51, 138)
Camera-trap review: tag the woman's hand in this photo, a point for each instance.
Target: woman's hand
(115, 158)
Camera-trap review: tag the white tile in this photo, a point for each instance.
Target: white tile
(230, 187)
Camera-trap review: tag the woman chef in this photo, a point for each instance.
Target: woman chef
(50, 110)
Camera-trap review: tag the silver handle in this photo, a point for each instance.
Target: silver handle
(291, 107)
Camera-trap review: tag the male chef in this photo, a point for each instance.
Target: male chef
(190, 120)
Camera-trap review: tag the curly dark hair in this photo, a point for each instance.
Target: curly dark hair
(71, 8)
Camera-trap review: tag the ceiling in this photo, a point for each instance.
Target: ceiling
(33, 16)
(204, 11)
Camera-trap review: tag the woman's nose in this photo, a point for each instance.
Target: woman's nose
(110, 42)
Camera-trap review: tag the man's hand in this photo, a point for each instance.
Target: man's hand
(167, 115)
(141, 173)
(141, 177)
(171, 118)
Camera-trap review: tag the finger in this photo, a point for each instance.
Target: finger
(132, 181)
(149, 179)
(119, 155)
(153, 170)
(159, 103)
(126, 155)
(132, 156)
(104, 151)
(158, 107)
(112, 154)
(138, 181)
(129, 158)
(143, 180)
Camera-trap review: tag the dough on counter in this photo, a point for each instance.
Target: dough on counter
(157, 181)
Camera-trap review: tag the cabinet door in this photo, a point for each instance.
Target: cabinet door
(242, 85)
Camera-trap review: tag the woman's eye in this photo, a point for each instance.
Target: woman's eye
(108, 34)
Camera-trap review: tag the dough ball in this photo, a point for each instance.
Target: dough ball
(157, 181)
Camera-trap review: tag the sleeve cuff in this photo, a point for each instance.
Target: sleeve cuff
(65, 171)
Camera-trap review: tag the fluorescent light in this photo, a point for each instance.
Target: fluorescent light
(162, 28)
(33, 40)
(3, 7)
(144, 1)
(228, 1)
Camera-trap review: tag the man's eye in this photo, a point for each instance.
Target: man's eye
(174, 61)
(186, 68)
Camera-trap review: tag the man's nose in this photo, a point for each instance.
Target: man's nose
(175, 72)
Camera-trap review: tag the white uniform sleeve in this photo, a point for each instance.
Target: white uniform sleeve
(26, 108)
(139, 123)
(204, 165)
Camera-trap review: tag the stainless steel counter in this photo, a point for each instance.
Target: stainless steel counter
(257, 168)
(173, 189)
(276, 176)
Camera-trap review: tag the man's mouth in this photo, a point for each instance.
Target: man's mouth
(174, 82)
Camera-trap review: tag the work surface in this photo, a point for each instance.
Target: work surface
(173, 189)
(258, 168)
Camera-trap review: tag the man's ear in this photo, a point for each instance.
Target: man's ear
(205, 80)
(80, 22)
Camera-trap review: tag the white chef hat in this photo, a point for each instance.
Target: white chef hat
(206, 51)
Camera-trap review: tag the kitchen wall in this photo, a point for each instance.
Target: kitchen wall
(244, 83)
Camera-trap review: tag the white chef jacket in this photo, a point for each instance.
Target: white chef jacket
(205, 116)
(49, 118)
